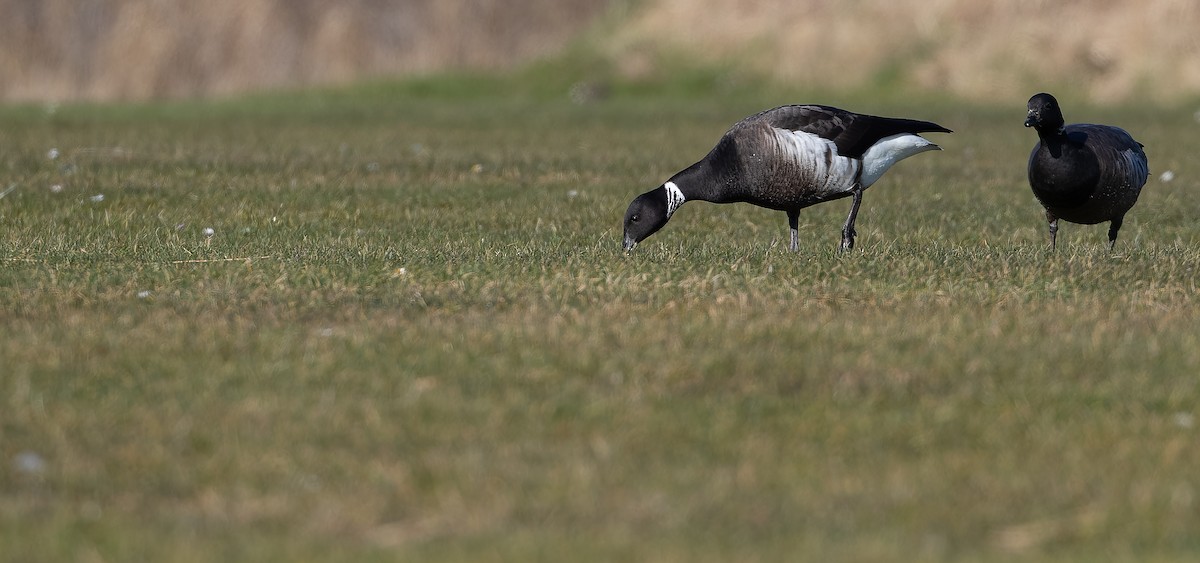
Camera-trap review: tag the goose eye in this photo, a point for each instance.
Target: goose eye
(634, 218)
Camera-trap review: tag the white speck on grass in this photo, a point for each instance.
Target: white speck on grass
(309, 482)
(208, 231)
(326, 332)
(1184, 419)
(56, 188)
(1166, 176)
(573, 194)
(143, 294)
(403, 271)
(29, 463)
(52, 154)
(477, 168)
(422, 385)
(97, 198)
(91, 511)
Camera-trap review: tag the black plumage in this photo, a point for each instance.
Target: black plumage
(786, 158)
(1083, 173)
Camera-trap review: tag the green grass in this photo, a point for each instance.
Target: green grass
(414, 336)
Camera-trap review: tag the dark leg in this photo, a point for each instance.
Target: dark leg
(1113, 227)
(848, 229)
(1053, 229)
(794, 224)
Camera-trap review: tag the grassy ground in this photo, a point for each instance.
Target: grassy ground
(412, 335)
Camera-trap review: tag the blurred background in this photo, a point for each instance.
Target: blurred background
(1105, 51)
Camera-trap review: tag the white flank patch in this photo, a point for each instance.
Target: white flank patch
(818, 159)
(890, 150)
(674, 198)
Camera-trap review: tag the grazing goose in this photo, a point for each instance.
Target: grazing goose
(1083, 173)
(786, 158)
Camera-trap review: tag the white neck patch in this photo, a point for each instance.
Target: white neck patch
(674, 198)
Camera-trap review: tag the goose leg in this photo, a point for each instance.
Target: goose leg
(1053, 228)
(794, 225)
(1113, 227)
(848, 229)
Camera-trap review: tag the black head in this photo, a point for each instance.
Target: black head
(1044, 113)
(647, 214)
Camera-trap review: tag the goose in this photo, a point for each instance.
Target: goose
(1083, 173)
(786, 158)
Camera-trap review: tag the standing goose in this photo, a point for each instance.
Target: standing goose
(1083, 173)
(786, 158)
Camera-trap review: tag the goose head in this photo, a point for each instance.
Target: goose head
(647, 214)
(1044, 113)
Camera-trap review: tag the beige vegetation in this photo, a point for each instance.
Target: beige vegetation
(139, 49)
(1104, 50)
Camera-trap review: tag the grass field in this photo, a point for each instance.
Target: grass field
(412, 335)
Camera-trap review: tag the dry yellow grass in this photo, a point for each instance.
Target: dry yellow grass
(1105, 50)
(988, 50)
(140, 49)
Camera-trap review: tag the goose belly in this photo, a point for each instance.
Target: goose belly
(1108, 201)
(797, 169)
